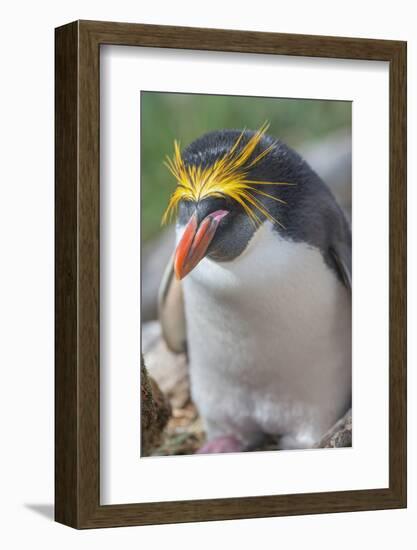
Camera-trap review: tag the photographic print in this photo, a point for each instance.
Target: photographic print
(246, 269)
(206, 314)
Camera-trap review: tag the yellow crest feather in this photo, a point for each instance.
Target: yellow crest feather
(227, 176)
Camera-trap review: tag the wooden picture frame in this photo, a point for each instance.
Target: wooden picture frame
(77, 374)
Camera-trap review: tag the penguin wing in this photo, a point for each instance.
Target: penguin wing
(341, 256)
(171, 310)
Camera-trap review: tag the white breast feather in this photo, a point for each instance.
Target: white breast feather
(269, 338)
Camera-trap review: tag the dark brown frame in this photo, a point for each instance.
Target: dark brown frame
(77, 274)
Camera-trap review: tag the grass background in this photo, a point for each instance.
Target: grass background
(169, 116)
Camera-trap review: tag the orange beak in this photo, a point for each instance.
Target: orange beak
(195, 241)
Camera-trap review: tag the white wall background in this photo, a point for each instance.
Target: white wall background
(26, 272)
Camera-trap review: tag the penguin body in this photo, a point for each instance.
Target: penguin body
(270, 354)
(267, 305)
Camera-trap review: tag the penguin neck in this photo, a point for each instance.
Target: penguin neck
(269, 266)
(266, 258)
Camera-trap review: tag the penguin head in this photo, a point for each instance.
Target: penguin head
(227, 186)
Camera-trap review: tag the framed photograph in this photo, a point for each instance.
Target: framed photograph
(230, 274)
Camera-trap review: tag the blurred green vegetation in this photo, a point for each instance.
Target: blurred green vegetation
(185, 117)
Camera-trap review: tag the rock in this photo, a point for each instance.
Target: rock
(170, 370)
(155, 412)
(331, 159)
(151, 333)
(340, 435)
